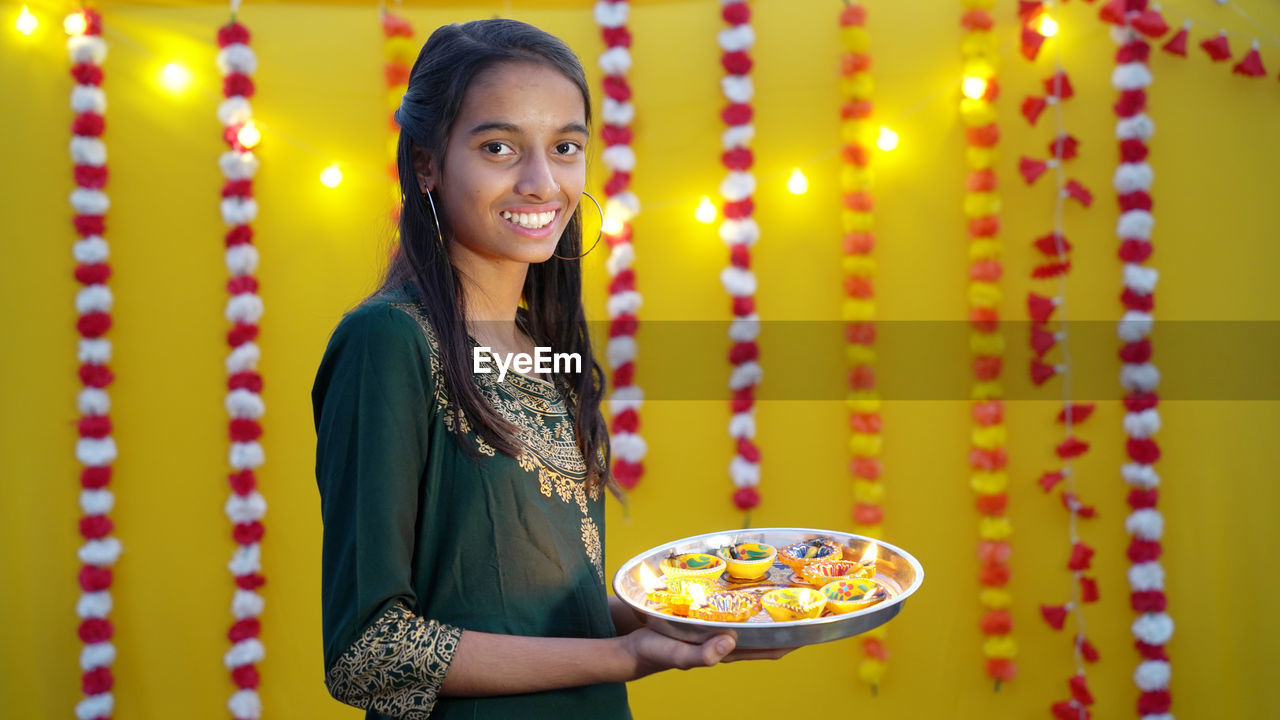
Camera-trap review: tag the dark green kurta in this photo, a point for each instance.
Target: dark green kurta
(422, 540)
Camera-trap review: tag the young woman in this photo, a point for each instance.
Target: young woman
(463, 555)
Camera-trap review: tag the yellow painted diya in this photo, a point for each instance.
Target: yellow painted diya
(785, 604)
(818, 574)
(698, 568)
(728, 607)
(748, 561)
(668, 601)
(845, 596)
(817, 550)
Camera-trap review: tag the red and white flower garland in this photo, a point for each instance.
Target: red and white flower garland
(399, 50)
(740, 231)
(620, 207)
(988, 456)
(96, 449)
(246, 506)
(1138, 375)
(859, 310)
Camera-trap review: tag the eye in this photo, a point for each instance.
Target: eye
(497, 148)
(568, 148)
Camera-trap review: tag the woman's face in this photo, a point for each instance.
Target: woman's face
(514, 167)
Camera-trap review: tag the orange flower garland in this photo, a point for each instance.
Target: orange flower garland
(987, 457)
(400, 51)
(859, 310)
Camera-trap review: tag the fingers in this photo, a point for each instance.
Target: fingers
(715, 649)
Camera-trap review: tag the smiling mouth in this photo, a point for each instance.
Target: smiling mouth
(531, 221)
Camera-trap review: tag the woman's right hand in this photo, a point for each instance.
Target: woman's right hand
(654, 652)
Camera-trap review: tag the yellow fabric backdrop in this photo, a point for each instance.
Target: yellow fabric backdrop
(321, 100)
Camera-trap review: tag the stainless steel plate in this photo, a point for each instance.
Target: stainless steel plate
(897, 569)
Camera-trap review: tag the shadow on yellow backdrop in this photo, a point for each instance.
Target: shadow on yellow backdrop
(321, 101)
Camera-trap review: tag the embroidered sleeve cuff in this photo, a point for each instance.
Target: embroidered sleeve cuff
(397, 666)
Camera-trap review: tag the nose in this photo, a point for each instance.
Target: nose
(536, 180)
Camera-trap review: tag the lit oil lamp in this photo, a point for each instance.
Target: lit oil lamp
(660, 598)
(868, 562)
(797, 555)
(845, 596)
(730, 606)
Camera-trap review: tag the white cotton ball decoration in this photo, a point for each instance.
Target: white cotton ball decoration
(96, 502)
(737, 136)
(1138, 475)
(238, 165)
(235, 110)
(624, 206)
(629, 446)
(1139, 127)
(96, 452)
(746, 375)
(621, 257)
(249, 651)
(239, 210)
(95, 351)
(1132, 177)
(619, 157)
(742, 425)
(246, 559)
(738, 186)
(95, 706)
(738, 282)
(626, 398)
(1146, 524)
(245, 705)
(615, 61)
(91, 49)
(1146, 576)
(96, 655)
(736, 38)
(242, 259)
(244, 308)
(1135, 224)
(90, 202)
(740, 232)
(1142, 424)
(624, 303)
(246, 455)
(94, 605)
(243, 403)
(621, 350)
(1134, 325)
(91, 250)
(737, 88)
(100, 553)
(617, 113)
(237, 57)
(88, 99)
(88, 151)
(1130, 76)
(93, 401)
(745, 329)
(743, 472)
(246, 508)
(1143, 377)
(93, 298)
(611, 14)
(1153, 628)
(1140, 279)
(1151, 675)
(243, 358)
(246, 604)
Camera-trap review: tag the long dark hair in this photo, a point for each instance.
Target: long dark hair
(553, 316)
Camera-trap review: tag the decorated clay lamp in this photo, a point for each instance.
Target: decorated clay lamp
(818, 574)
(816, 550)
(692, 568)
(748, 561)
(847, 595)
(786, 604)
(658, 597)
(730, 606)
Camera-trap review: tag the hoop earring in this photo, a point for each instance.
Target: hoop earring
(435, 217)
(597, 242)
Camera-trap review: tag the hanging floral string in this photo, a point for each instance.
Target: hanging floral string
(740, 232)
(399, 51)
(859, 309)
(1056, 250)
(96, 449)
(620, 208)
(988, 456)
(1153, 627)
(246, 506)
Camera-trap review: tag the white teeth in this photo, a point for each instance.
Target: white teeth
(527, 220)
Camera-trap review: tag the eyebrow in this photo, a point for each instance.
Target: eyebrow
(515, 129)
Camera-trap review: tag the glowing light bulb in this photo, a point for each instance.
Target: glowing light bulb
(175, 77)
(888, 139)
(331, 177)
(27, 23)
(613, 224)
(974, 87)
(75, 24)
(249, 135)
(706, 212)
(798, 184)
(1047, 26)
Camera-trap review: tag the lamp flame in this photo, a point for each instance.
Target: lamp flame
(649, 580)
(869, 556)
(697, 594)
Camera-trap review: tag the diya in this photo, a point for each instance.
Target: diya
(749, 560)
